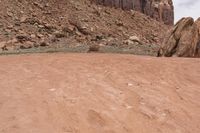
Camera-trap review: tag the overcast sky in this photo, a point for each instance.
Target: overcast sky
(185, 8)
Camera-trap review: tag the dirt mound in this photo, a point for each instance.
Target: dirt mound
(183, 40)
(99, 93)
(26, 24)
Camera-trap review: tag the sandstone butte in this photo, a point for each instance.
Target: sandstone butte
(161, 10)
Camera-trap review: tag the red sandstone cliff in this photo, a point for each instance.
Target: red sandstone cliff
(161, 10)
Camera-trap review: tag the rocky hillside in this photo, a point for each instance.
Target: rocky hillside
(26, 24)
(161, 10)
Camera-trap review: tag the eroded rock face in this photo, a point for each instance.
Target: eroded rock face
(161, 10)
(183, 40)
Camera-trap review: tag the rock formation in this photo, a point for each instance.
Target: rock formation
(161, 10)
(183, 40)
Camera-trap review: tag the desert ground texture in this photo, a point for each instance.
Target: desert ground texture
(98, 93)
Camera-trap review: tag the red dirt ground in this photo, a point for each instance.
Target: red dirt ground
(99, 93)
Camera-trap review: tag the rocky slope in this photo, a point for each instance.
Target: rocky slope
(99, 93)
(29, 24)
(183, 40)
(161, 10)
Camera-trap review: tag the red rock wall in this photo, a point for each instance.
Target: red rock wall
(161, 10)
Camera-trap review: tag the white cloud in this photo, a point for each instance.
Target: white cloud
(186, 8)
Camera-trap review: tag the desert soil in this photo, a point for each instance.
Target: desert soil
(98, 93)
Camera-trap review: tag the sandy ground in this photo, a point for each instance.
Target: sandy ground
(99, 93)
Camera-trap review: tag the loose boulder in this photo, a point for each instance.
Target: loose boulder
(183, 40)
